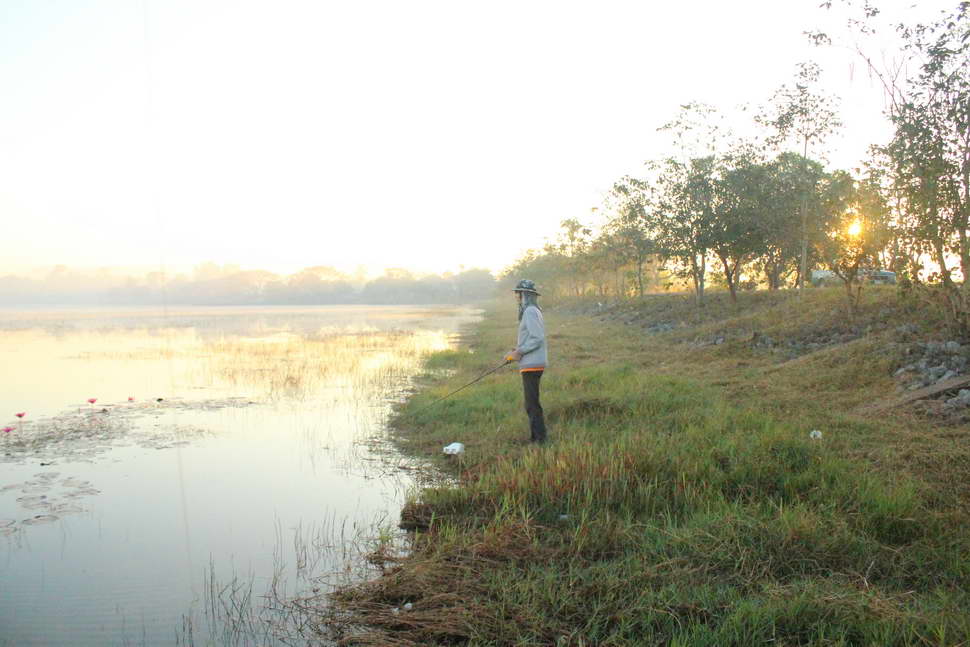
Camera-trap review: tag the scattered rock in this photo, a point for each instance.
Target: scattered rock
(759, 340)
(663, 326)
(937, 361)
(960, 401)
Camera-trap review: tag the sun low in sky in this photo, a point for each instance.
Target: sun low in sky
(427, 135)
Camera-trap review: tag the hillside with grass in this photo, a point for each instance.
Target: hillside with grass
(685, 498)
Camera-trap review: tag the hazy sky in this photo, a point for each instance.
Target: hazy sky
(278, 135)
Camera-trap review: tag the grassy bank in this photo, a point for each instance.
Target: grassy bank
(682, 500)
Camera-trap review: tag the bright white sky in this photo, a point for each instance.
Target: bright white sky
(428, 135)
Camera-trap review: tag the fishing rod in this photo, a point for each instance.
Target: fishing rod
(444, 397)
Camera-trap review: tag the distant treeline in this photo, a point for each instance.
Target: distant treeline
(210, 284)
(753, 209)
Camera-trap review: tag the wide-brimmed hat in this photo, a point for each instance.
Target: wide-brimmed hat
(525, 285)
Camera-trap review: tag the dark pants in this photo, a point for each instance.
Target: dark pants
(537, 425)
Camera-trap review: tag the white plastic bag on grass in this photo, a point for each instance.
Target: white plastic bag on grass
(454, 449)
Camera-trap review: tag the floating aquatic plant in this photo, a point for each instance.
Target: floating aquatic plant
(39, 519)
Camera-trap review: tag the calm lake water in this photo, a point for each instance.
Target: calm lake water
(234, 458)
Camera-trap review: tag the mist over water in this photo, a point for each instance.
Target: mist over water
(211, 284)
(251, 459)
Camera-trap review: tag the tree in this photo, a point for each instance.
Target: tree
(683, 204)
(788, 174)
(542, 266)
(474, 284)
(319, 284)
(682, 208)
(906, 245)
(628, 232)
(572, 243)
(807, 115)
(742, 205)
(928, 158)
(856, 230)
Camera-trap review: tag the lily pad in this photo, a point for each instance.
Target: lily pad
(34, 502)
(40, 519)
(88, 491)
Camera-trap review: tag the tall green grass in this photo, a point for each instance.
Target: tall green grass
(663, 512)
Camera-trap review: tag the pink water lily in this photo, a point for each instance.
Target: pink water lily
(131, 399)
(21, 414)
(7, 429)
(92, 400)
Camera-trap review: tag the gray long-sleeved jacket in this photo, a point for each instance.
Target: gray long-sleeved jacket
(532, 340)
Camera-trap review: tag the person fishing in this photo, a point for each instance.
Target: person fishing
(531, 354)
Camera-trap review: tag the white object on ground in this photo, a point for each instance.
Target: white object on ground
(454, 449)
(815, 435)
(408, 606)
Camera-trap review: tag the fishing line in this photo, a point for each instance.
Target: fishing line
(151, 181)
(444, 397)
